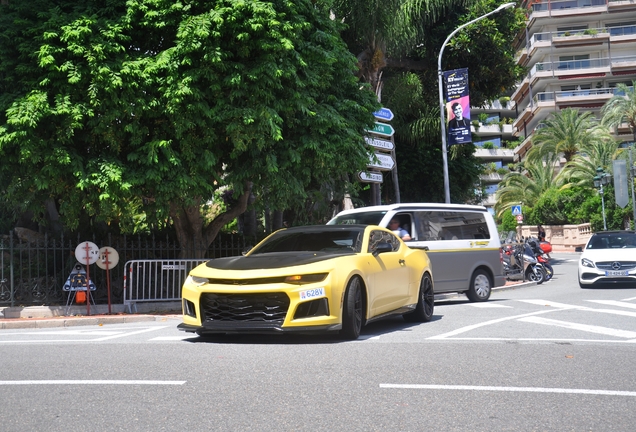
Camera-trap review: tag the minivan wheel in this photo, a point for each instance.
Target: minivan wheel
(480, 287)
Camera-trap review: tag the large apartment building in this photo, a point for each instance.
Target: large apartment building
(576, 52)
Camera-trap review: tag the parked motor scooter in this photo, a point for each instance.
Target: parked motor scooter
(520, 263)
(542, 256)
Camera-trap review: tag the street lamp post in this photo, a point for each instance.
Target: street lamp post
(441, 95)
(632, 171)
(601, 179)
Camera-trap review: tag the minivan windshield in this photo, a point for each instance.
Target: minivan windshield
(361, 218)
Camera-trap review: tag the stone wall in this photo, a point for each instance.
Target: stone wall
(564, 238)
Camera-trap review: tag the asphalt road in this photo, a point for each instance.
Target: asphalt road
(546, 358)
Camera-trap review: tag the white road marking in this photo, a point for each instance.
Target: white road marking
(92, 382)
(582, 327)
(563, 306)
(67, 333)
(488, 305)
(109, 336)
(497, 339)
(487, 323)
(552, 304)
(629, 299)
(512, 389)
(130, 333)
(615, 303)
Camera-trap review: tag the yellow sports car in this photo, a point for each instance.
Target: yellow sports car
(311, 278)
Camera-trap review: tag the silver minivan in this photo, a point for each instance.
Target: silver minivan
(461, 241)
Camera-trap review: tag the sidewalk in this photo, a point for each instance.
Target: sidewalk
(33, 317)
(39, 317)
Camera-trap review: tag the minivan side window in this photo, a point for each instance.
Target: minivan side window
(364, 218)
(451, 225)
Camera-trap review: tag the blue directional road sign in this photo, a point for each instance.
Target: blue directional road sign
(516, 210)
(384, 114)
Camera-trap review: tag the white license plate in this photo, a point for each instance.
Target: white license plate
(312, 293)
(617, 273)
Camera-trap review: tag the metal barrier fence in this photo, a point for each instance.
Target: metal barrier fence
(155, 280)
(34, 268)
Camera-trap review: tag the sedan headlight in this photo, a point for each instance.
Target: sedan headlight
(587, 263)
(195, 280)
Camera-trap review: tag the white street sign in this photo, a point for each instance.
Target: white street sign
(370, 177)
(379, 144)
(108, 258)
(87, 253)
(384, 163)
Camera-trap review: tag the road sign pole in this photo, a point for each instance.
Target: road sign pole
(87, 248)
(107, 261)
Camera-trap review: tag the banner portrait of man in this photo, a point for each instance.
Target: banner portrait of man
(457, 106)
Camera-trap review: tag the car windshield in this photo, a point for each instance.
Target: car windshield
(361, 218)
(612, 241)
(328, 241)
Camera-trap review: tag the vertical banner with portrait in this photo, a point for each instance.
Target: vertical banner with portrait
(457, 106)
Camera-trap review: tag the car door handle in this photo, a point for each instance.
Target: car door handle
(402, 262)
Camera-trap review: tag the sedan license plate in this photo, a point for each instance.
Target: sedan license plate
(617, 273)
(312, 293)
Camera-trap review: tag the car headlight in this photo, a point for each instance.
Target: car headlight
(587, 263)
(305, 279)
(195, 280)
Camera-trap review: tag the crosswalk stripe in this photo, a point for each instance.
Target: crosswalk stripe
(582, 327)
(614, 303)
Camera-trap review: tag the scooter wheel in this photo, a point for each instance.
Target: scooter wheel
(537, 276)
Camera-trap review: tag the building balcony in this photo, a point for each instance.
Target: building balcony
(490, 201)
(619, 5)
(565, 8)
(573, 68)
(497, 154)
(568, 39)
(492, 129)
(492, 178)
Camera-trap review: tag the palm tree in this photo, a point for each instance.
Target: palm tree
(580, 171)
(526, 185)
(565, 133)
(621, 108)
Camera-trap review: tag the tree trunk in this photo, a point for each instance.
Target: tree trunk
(195, 238)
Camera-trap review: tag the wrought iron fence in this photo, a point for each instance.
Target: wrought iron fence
(33, 271)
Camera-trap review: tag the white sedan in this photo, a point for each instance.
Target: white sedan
(609, 258)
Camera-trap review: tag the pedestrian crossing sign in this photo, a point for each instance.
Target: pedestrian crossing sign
(516, 210)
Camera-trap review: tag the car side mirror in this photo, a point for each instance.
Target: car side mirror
(382, 247)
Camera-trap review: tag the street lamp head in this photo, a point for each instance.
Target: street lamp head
(597, 181)
(606, 178)
(599, 170)
(505, 6)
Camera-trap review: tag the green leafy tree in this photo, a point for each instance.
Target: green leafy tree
(397, 44)
(155, 105)
(508, 222)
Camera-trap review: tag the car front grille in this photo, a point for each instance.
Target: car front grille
(624, 265)
(266, 308)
